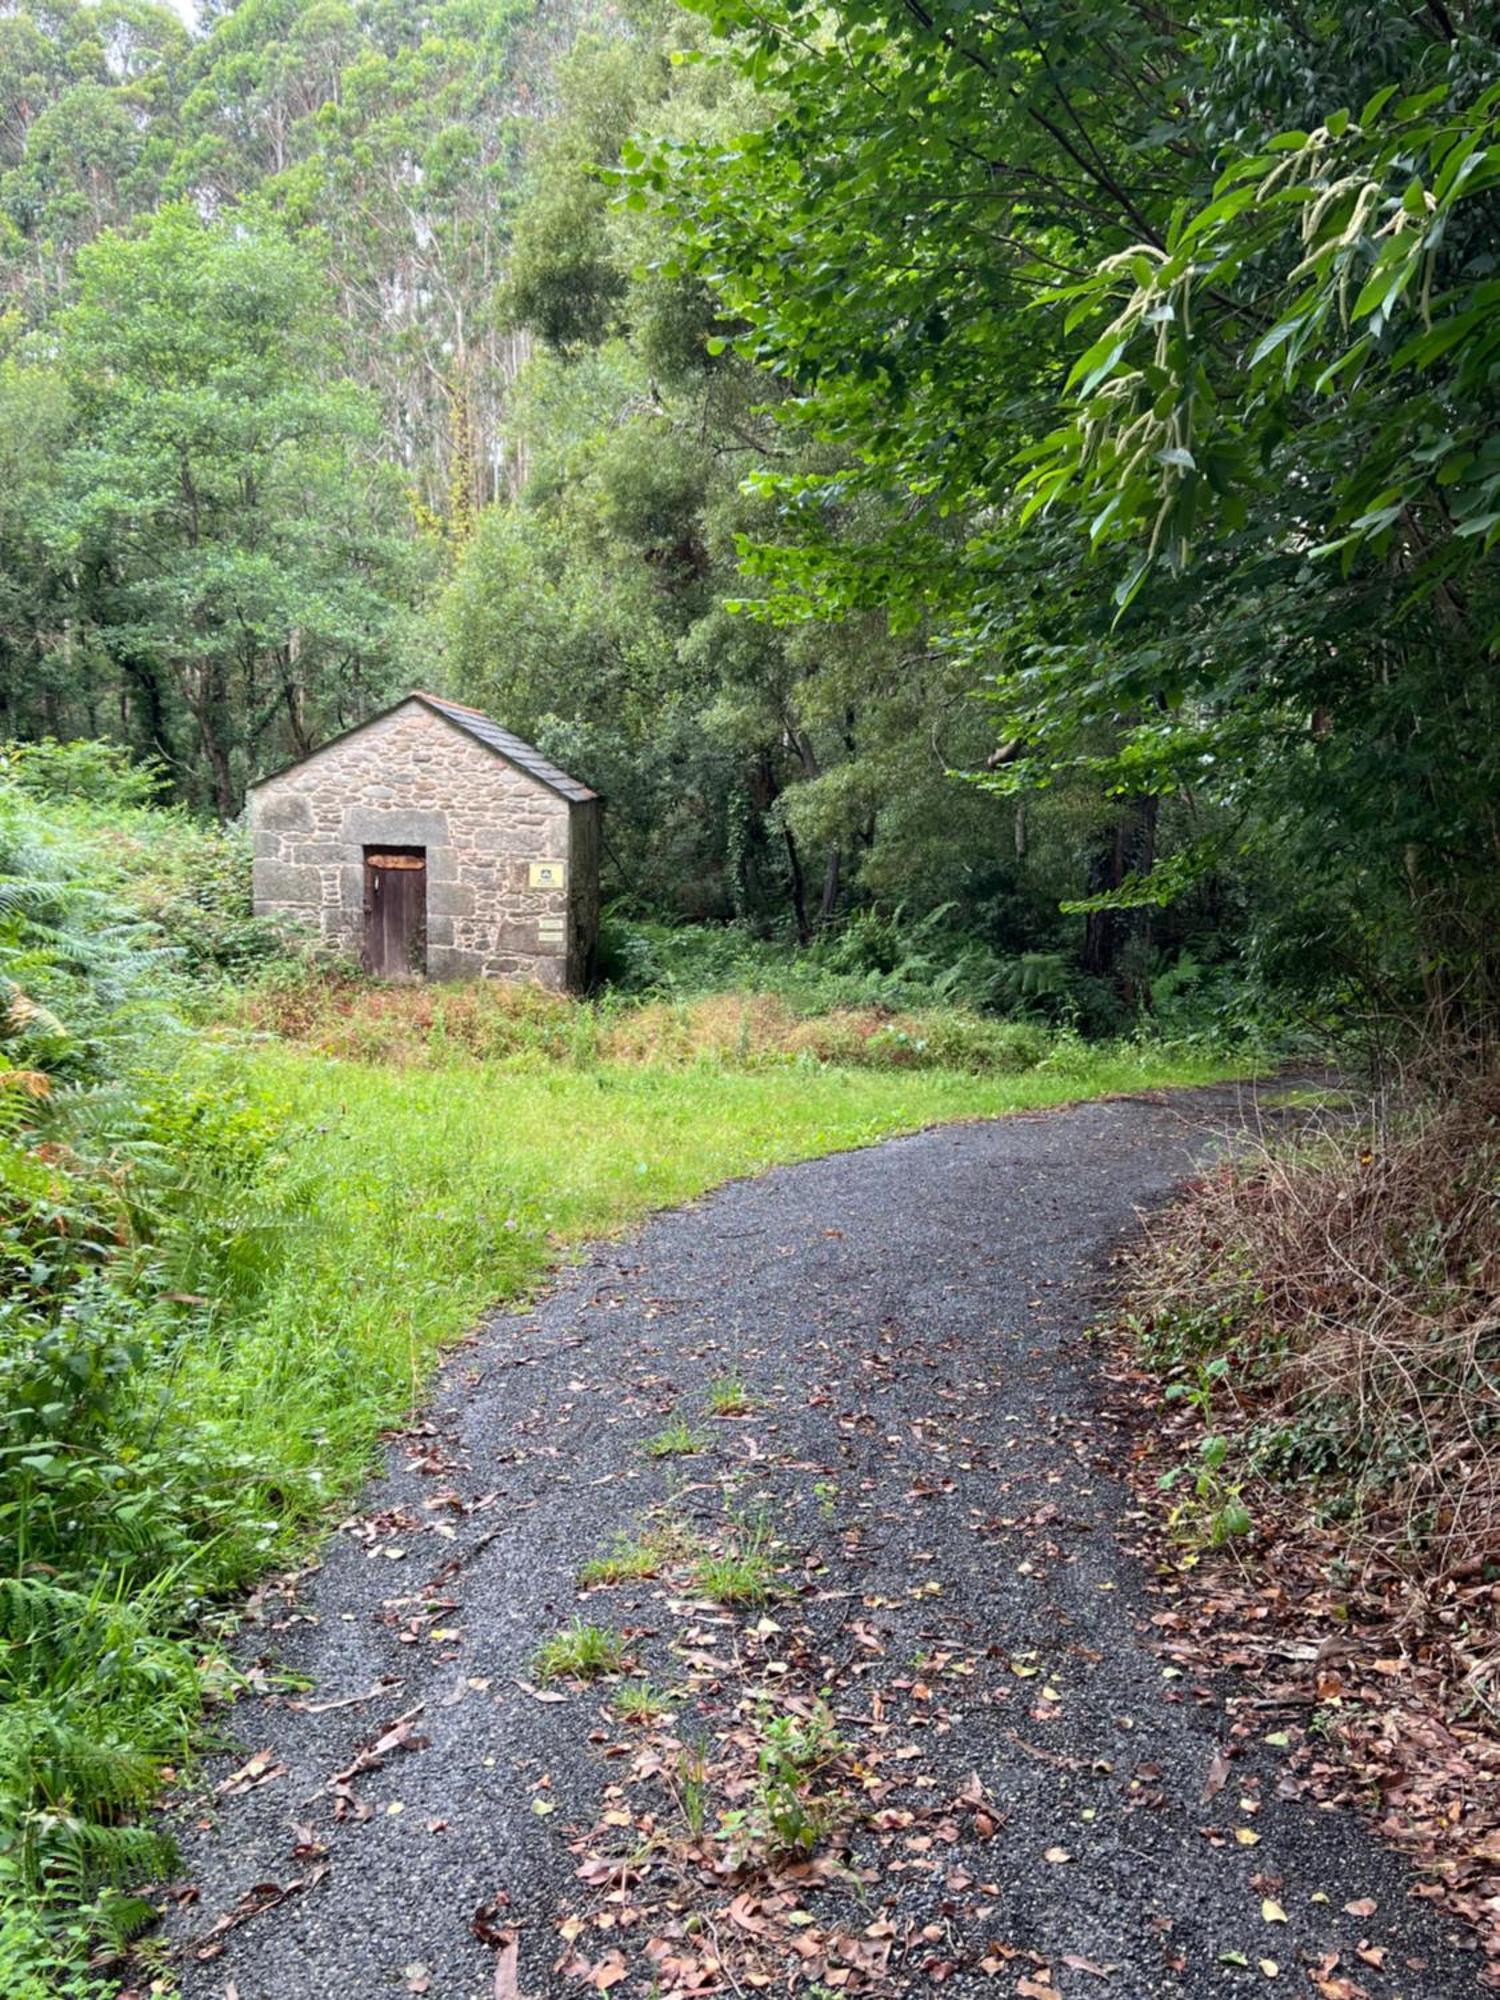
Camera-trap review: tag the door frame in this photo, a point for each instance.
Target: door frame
(398, 859)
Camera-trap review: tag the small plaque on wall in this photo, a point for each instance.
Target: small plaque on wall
(549, 874)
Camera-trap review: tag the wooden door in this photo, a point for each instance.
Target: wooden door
(396, 912)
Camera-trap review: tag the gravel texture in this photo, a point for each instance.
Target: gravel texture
(926, 1445)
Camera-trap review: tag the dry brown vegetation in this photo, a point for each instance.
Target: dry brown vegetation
(1327, 1313)
(426, 1024)
(1352, 1282)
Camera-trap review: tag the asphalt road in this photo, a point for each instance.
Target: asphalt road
(927, 1465)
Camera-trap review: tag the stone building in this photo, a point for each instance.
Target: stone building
(430, 842)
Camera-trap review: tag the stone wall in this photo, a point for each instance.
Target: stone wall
(413, 779)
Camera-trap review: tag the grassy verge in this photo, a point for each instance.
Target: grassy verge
(426, 1195)
(324, 1228)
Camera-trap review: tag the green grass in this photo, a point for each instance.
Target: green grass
(736, 1579)
(729, 1398)
(677, 1439)
(743, 1572)
(580, 1653)
(639, 1701)
(421, 1196)
(632, 1558)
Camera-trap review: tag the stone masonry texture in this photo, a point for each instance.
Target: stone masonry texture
(411, 778)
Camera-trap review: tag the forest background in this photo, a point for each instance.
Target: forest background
(338, 358)
(1001, 500)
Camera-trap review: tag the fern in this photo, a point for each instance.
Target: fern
(64, 1794)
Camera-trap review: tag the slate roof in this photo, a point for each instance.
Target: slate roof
(473, 722)
(478, 725)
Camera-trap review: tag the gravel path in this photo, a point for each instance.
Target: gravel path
(1021, 1804)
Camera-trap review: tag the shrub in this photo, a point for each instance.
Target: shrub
(105, 774)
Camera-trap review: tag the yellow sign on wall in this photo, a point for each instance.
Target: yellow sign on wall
(549, 874)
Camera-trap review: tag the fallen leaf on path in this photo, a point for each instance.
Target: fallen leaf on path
(506, 1980)
(260, 1770)
(254, 1903)
(1077, 1963)
(1218, 1774)
(540, 1694)
(483, 1923)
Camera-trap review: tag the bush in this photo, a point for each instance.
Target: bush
(103, 773)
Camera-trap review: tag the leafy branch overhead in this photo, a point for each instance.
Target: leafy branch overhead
(1341, 282)
(1152, 362)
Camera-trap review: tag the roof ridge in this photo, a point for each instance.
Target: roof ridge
(476, 725)
(447, 701)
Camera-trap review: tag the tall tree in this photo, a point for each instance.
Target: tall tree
(226, 530)
(1011, 259)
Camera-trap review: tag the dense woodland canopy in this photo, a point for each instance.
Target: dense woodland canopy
(943, 460)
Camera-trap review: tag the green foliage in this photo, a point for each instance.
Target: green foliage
(743, 1577)
(213, 473)
(105, 774)
(787, 1815)
(677, 1439)
(728, 1397)
(582, 1653)
(632, 1558)
(1239, 318)
(638, 1701)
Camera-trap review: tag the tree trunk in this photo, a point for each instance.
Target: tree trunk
(830, 900)
(799, 887)
(1128, 847)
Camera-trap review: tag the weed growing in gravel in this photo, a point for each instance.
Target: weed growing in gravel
(678, 1440)
(795, 1746)
(728, 1397)
(638, 1701)
(582, 1652)
(785, 1814)
(780, 1819)
(692, 1785)
(632, 1558)
(735, 1579)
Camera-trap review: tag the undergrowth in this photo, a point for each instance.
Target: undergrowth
(1328, 1308)
(343, 1015)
